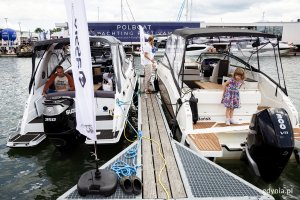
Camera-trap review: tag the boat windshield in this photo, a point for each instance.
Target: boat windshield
(254, 54)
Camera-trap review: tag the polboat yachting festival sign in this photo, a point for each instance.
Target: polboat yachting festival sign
(129, 31)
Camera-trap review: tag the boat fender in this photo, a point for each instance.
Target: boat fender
(297, 155)
(193, 104)
(155, 84)
(179, 102)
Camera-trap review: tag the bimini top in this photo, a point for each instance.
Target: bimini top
(43, 45)
(188, 33)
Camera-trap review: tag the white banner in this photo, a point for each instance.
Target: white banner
(82, 68)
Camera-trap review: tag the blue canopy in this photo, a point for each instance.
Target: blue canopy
(9, 34)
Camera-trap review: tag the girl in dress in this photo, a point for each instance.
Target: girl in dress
(231, 95)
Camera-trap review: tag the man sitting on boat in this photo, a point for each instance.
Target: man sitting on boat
(62, 82)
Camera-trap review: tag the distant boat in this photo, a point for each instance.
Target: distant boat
(24, 50)
(7, 53)
(263, 49)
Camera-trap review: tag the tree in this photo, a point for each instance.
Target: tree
(39, 30)
(55, 30)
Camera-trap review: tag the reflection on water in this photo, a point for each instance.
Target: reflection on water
(286, 187)
(45, 173)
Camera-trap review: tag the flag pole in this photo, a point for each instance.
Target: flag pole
(100, 181)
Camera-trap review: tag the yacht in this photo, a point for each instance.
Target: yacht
(267, 125)
(53, 116)
(266, 48)
(197, 49)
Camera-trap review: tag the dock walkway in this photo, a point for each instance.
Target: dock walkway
(187, 175)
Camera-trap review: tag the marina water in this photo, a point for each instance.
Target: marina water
(45, 173)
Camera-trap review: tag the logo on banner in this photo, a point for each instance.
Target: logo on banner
(82, 78)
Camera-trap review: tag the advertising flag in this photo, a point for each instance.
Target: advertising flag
(81, 68)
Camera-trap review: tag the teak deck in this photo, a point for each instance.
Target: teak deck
(209, 85)
(297, 133)
(206, 142)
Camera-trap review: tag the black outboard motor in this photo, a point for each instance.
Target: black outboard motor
(270, 142)
(60, 122)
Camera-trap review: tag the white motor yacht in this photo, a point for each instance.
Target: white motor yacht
(53, 116)
(266, 127)
(266, 48)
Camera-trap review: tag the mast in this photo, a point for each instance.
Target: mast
(122, 10)
(187, 10)
(191, 7)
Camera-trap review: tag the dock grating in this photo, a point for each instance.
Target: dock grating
(207, 180)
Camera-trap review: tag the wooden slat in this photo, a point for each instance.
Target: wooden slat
(202, 125)
(157, 160)
(297, 133)
(262, 107)
(149, 186)
(224, 125)
(176, 185)
(206, 142)
(296, 130)
(209, 85)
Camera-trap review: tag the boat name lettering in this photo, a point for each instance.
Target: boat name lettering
(206, 118)
(71, 111)
(132, 27)
(81, 76)
(50, 119)
(281, 122)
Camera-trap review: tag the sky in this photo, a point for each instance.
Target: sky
(30, 14)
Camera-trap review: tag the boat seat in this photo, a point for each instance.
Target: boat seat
(220, 70)
(210, 106)
(57, 94)
(191, 65)
(97, 78)
(105, 94)
(98, 94)
(191, 75)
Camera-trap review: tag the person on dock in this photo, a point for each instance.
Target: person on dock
(231, 95)
(62, 82)
(149, 62)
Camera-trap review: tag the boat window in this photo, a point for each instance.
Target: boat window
(170, 49)
(117, 67)
(271, 66)
(124, 61)
(53, 62)
(66, 62)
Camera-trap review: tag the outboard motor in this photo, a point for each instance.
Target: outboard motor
(60, 122)
(270, 142)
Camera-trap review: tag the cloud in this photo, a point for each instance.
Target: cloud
(45, 13)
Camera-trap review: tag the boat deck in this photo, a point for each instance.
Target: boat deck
(297, 134)
(187, 175)
(206, 141)
(30, 139)
(209, 85)
(204, 125)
